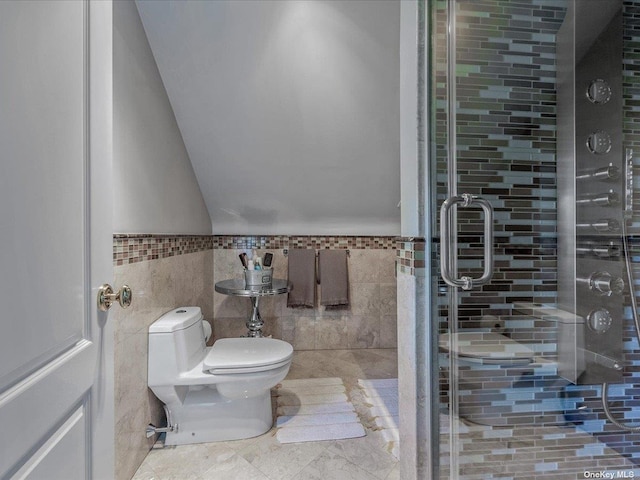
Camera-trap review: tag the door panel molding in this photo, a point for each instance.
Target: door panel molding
(29, 434)
(67, 441)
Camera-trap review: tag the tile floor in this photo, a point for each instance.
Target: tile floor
(517, 453)
(264, 458)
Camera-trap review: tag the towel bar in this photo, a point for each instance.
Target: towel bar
(285, 252)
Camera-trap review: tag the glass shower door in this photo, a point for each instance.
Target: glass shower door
(533, 120)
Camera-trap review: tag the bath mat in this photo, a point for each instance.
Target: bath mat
(382, 405)
(311, 410)
(381, 397)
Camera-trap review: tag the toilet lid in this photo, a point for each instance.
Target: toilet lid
(237, 355)
(486, 345)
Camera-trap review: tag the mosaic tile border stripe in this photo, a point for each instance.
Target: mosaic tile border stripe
(411, 256)
(133, 248)
(129, 249)
(304, 241)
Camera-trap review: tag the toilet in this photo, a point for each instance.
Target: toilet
(490, 366)
(213, 393)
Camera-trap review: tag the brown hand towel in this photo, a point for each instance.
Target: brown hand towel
(334, 277)
(302, 275)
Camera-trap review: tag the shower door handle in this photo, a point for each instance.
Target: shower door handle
(449, 247)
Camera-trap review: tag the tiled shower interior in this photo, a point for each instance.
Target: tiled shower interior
(506, 147)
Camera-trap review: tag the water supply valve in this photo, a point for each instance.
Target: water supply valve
(604, 283)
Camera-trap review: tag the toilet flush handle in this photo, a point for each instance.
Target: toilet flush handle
(106, 297)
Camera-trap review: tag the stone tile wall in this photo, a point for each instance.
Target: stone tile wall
(158, 286)
(168, 271)
(415, 330)
(368, 322)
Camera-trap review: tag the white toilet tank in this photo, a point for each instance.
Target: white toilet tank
(176, 344)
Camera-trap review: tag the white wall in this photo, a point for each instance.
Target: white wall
(410, 180)
(155, 188)
(289, 110)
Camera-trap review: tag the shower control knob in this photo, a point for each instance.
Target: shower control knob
(606, 284)
(599, 320)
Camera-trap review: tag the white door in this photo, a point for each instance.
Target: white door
(56, 379)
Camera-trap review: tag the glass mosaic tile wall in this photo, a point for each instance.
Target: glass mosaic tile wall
(505, 87)
(506, 149)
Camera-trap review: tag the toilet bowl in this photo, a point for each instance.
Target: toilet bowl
(490, 366)
(213, 393)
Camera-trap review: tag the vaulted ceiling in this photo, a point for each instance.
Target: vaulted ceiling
(289, 110)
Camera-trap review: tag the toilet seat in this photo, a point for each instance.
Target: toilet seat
(487, 348)
(246, 355)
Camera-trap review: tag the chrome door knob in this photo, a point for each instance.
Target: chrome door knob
(106, 297)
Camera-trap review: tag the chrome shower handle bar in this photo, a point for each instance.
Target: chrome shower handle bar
(449, 246)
